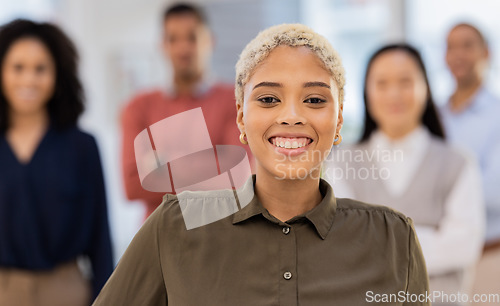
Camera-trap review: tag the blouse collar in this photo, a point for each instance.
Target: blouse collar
(321, 216)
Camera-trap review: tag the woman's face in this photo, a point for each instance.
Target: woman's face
(396, 92)
(28, 76)
(290, 113)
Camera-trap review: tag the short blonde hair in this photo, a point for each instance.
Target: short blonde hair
(293, 35)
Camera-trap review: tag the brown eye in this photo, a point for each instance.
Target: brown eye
(18, 67)
(315, 101)
(381, 85)
(405, 82)
(40, 69)
(268, 100)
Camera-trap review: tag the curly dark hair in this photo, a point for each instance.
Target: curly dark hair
(67, 102)
(430, 117)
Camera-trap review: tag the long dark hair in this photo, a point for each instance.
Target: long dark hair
(430, 117)
(66, 104)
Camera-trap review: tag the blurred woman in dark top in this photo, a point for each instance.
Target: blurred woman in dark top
(52, 200)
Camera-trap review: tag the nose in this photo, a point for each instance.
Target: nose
(291, 114)
(29, 77)
(394, 92)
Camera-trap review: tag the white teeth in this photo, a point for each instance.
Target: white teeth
(292, 143)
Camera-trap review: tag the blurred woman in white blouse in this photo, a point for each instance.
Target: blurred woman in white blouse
(403, 161)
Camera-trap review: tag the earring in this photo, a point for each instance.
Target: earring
(338, 140)
(242, 139)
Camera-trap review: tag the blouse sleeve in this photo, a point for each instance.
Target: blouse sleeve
(457, 242)
(138, 278)
(99, 248)
(418, 281)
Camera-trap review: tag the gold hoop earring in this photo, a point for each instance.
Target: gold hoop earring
(338, 140)
(242, 139)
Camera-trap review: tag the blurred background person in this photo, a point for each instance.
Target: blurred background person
(187, 44)
(407, 165)
(53, 214)
(471, 121)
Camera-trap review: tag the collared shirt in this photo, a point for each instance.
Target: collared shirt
(477, 129)
(342, 252)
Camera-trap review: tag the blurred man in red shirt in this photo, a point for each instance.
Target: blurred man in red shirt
(187, 45)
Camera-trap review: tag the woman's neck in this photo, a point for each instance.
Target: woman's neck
(25, 133)
(21, 123)
(285, 199)
(399, 132)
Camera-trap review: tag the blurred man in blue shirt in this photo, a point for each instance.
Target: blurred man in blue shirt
(471, 119)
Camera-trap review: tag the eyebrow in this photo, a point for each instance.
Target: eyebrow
(307, 84)
(268, 84)
(317, 84)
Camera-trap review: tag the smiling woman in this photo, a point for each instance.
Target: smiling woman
(290, 99)
(294, 243)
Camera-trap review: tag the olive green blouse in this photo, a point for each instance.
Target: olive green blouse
(342, 252)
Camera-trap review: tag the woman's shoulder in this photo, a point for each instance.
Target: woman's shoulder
(168, 212)
(372, 211)
(74, 133)
(450, 152)
(74, 139)
(375, 223)
(196, 208)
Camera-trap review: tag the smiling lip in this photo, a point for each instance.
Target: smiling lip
(27, 93)
(290, 144)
